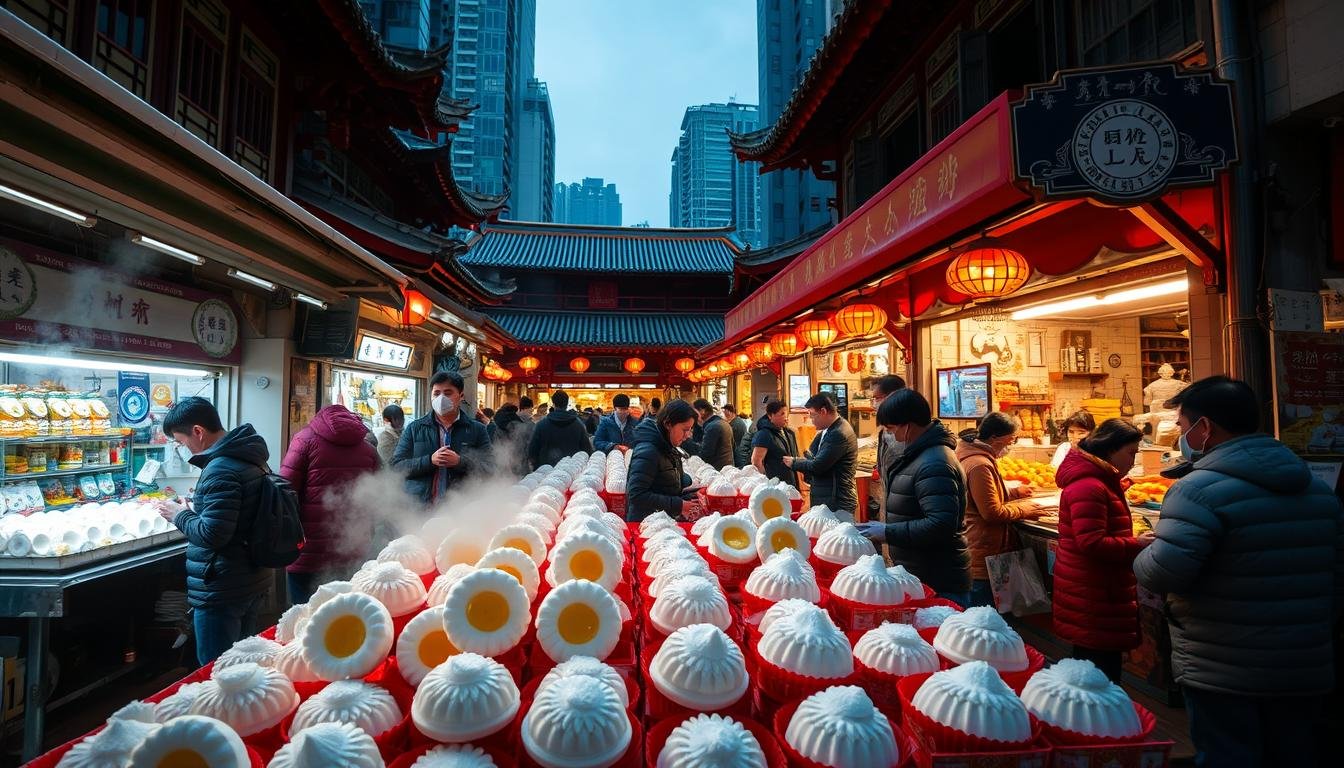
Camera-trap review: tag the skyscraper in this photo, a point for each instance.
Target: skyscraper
(710, 188)
(592, 202)
(793, 201)
(404, 23)
(533, 192)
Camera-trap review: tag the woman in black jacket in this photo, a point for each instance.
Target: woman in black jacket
(773, 441)
(656, 481)
(926, 499)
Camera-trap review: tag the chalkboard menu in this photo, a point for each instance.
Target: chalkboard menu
(328, 332)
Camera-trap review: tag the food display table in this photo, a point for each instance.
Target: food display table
(36, 592)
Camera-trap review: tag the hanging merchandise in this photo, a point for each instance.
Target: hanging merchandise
(838, 362)
(856, 362)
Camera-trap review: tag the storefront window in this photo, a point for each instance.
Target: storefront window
(367, 394)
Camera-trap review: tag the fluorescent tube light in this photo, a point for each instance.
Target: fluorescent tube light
(1151, 291)
(46, 206)
(98, 365)
(253, 279)
(306, 299)
(171, 250)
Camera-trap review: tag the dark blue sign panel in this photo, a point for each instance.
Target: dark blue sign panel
(133, 398)
(1123, 135)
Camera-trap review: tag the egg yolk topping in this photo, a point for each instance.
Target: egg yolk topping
(782, 540)
(578, 623)
(488, 611)
(736, 538)
(345, 636)
(435, 648)
(519, 544)
(771, 507)
(509, 569)
(183, 758)
(586, 564)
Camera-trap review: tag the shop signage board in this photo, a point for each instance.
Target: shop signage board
(383, 352)
(329, 332)
(133, 398)
(1123, 135)
(1309, 391)
(51, 299)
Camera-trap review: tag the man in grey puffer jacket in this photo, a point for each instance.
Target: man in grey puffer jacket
(1250, 555)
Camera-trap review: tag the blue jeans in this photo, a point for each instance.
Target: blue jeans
(1252, 731)
(981, 594)
(219, 626)
(960, 598)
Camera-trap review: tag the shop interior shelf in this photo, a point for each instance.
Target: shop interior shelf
(1028, 403)
(1057, 375)
(63, 438)
(12, 477)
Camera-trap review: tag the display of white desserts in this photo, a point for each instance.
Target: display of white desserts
(82, 528)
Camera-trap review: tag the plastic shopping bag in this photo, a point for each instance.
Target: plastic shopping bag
(1016, 583)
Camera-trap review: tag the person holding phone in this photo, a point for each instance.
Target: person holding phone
(656, 481)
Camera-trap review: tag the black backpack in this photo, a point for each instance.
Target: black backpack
(275, 537)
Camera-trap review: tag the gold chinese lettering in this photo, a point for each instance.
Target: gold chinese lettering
(919, 198)
(947, 177)
(892, 222)
(849, 244)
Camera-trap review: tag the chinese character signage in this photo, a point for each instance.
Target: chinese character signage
(1123, 135)
(49, 298)
(1309, 391)
(376, 351)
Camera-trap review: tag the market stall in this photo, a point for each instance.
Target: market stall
(564, 636)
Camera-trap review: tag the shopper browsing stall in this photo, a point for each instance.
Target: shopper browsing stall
(829, 463)
(616, 432)
(773, 441)
(562, 433)
(444, 447)
(716, 446)
(656, 481)
(1078, 426)
(394, 422)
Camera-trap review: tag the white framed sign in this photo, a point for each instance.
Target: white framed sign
(375, 350)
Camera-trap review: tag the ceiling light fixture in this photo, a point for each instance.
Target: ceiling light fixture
(1169, 287)
(162, 247)
(19, 358)
(260, 282)
(46, 206)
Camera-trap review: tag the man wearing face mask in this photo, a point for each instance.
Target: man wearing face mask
(443, 447)
(616, 432)
(1249, 554)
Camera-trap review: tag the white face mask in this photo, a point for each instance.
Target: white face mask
(443, 404)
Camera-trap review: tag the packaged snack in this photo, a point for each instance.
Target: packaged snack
(37, 457)
(71, 456)
(11, 415)
(107, 484)
(35, 403)
(33, 496)
(61, 414)
(82, 423)
(88, 488)
(100, 416)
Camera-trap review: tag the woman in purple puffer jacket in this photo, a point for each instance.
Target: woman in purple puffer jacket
(323, 458)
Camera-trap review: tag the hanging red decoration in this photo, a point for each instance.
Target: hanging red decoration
(760, 352)
(741, 361)
(817, 332)
(529, 364)
(633, 365)
(415, 308)
(684, 364)
(838, 362)
(988, 270)
(580, 364)
(786, 344)
(856, 362)
(860, 319)
(713, 368)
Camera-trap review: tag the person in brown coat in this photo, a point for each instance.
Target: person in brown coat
(991, 507)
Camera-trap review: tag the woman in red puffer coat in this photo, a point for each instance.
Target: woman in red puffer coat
(1095, 603)
(324, 457)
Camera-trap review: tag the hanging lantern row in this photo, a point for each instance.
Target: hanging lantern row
(988, 270)
(787, 344)
(633, 365)
(817, 332)
(529, 364)
(860, 319)
(684, 364)
(760, 352)
(580, 364)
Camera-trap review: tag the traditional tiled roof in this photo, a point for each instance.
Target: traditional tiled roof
(471, 206)
(608, 330)
(629, 250)
(779, 253)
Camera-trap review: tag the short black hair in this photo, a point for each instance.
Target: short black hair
(1082, 420)
(655, 403)
(822, 401)
(676, 412)
(620, 401)
(191, 412)
(524, 402)
(904, 406)
(448, 377)
(393, 411)
(489, 412)
(506, 408)
(1227, 402)
(888, 384)
(995, 424)
(1111, 436)
(730, 408)
(560, 399)
(702, 405)
(774, 406)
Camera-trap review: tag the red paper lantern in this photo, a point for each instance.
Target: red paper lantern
(684, 364)
(860, 319)
(760, 352)
(416, 307)
(580, 364)
(988, 270)
(713, 368)
(786, 344)
(529, 364)
(817, 332)
(741, 361)
(633, 365)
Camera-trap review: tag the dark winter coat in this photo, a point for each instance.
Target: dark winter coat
(1250, 555)
(655, 480)
(745, 445)
(777, 443)
(926, 508)
(420, 439)
(717, 446)
(219, 570)
(610, 434)
(830, 471)
(739, 426)
(324, 457)
(560, 434)
(1095, 604)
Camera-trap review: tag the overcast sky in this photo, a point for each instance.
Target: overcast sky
(621, 74)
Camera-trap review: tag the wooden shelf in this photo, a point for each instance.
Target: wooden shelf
(1060, 376)
(1028, 403)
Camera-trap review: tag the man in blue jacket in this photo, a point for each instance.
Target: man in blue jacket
(443, 447)
(616, 432)
(1249, 555)
(223, 586)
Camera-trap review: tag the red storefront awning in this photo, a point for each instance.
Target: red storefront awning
(960, 188)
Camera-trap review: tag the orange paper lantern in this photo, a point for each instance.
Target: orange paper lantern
(786, 344)
(415, 310)
(580, 364)
(987, 270)
(529, 364)
(713, 368)
(684, 364)
(633, 365)
(741, 361)
(818, 332)
(504, 374)
(760, 352)
(860, 319)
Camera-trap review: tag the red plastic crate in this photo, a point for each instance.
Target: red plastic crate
(859, 617)
(658, 707)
